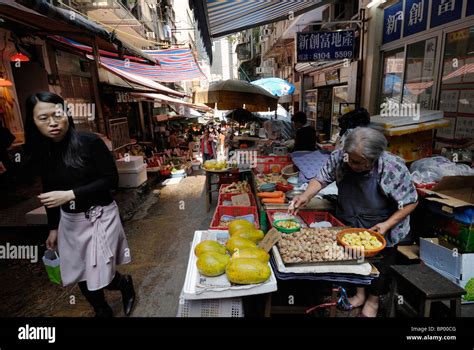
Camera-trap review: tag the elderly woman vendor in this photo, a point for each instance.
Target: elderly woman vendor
(375, 191)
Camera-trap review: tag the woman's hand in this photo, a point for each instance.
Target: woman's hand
(297, 203)
(52, 241)
(381, 228)
(56, 198)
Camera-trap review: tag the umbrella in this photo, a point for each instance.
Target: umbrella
(233, 94)
(241, 115)
(275, 86)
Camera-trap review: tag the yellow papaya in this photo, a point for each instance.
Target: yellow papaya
(252, 253)
(253, 234)
(238, 224)
(239, 243)
(209, 246)
(212, 264)
(247, 271)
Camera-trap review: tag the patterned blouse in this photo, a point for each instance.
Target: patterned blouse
(393, 178)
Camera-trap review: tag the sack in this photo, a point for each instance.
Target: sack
(51, 263)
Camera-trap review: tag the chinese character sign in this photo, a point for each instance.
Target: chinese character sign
(415, 16)
(444, 11)
(392, 22)
(325, 46)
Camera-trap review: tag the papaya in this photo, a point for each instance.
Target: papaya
(212, 264)
(247, 271)
(239, 224)
(252, 253)
(252, 234)
(209, 246)
(239, 243)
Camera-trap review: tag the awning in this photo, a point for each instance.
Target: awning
(171, 100)
(171, 69)
(174, 65)
(218, 18)
(137, 79)
(38, 17)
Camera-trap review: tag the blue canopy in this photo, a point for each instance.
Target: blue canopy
(275, 86)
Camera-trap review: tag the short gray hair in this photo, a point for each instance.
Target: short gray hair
(368, 142)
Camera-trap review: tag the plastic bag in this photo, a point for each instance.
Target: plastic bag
(51, 263)
(429, 170)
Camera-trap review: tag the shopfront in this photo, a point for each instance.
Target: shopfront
(428, 60)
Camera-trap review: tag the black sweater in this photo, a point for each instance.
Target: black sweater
(305, 139)
(91, 184)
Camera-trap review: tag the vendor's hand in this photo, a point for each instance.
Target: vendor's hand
(56, 198)
(381, 228)
(297, 203)
(51, 242)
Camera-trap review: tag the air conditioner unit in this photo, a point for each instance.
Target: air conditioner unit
(150, 35)
(260, 70)
(267, 32)
(262, 38)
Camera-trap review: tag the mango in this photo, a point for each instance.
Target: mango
(239, 224)
(247, 271)
(239, 243)
(251, 234)
(212, 264)
(252, 253)
(209, 246)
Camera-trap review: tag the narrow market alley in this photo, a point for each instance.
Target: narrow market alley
(159, 235)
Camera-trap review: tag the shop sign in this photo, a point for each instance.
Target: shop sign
(445, 11)
(470, 8)
(325, 46)
(123, 97)
(392, 22)
(416, 16)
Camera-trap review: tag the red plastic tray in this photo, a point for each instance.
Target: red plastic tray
(311, 216)
(233, 211)
(228, 197)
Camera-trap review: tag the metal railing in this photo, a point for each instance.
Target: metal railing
(119, 133)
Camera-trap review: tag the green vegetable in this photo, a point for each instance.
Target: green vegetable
(470, 290)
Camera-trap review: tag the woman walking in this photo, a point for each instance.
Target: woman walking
(78, 172)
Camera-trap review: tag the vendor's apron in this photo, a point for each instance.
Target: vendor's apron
(90, 246)
(361, 202)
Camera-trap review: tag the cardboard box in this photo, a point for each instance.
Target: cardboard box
(451, 200)
(457, 265)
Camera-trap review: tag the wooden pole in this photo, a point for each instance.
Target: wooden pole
(100, 122)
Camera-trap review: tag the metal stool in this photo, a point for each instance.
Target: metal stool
(428, 285)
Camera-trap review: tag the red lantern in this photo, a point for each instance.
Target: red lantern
(19, 57)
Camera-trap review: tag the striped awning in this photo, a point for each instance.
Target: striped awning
(170, 100)
(173, 65)
(218, 18)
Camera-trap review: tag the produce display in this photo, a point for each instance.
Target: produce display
(275, 197)
(212, 264)
(247, 271)
(253, 253)
(361, 240)
(236, 225)
(236, 187)
(251, 234)
(215, 165)
(311, 245)
(288, 224)
(239, 243)
(209, 246)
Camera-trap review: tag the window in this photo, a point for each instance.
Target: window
(393, 66)
(457, 85)
(419, 73)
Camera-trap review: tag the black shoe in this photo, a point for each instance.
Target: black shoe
(104, 312)
(128, 294)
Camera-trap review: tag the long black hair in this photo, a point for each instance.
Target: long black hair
(38, 146)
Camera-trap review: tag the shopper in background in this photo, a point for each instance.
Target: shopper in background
(305, 139)
(78, 173)
(206, 146)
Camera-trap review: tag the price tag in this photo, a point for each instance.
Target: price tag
(241, 200)
(271, 238)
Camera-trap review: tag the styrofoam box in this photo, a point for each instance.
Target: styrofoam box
(130, 163)
(230, 307)
(459, 266)
(131, 178)
(193, 275)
